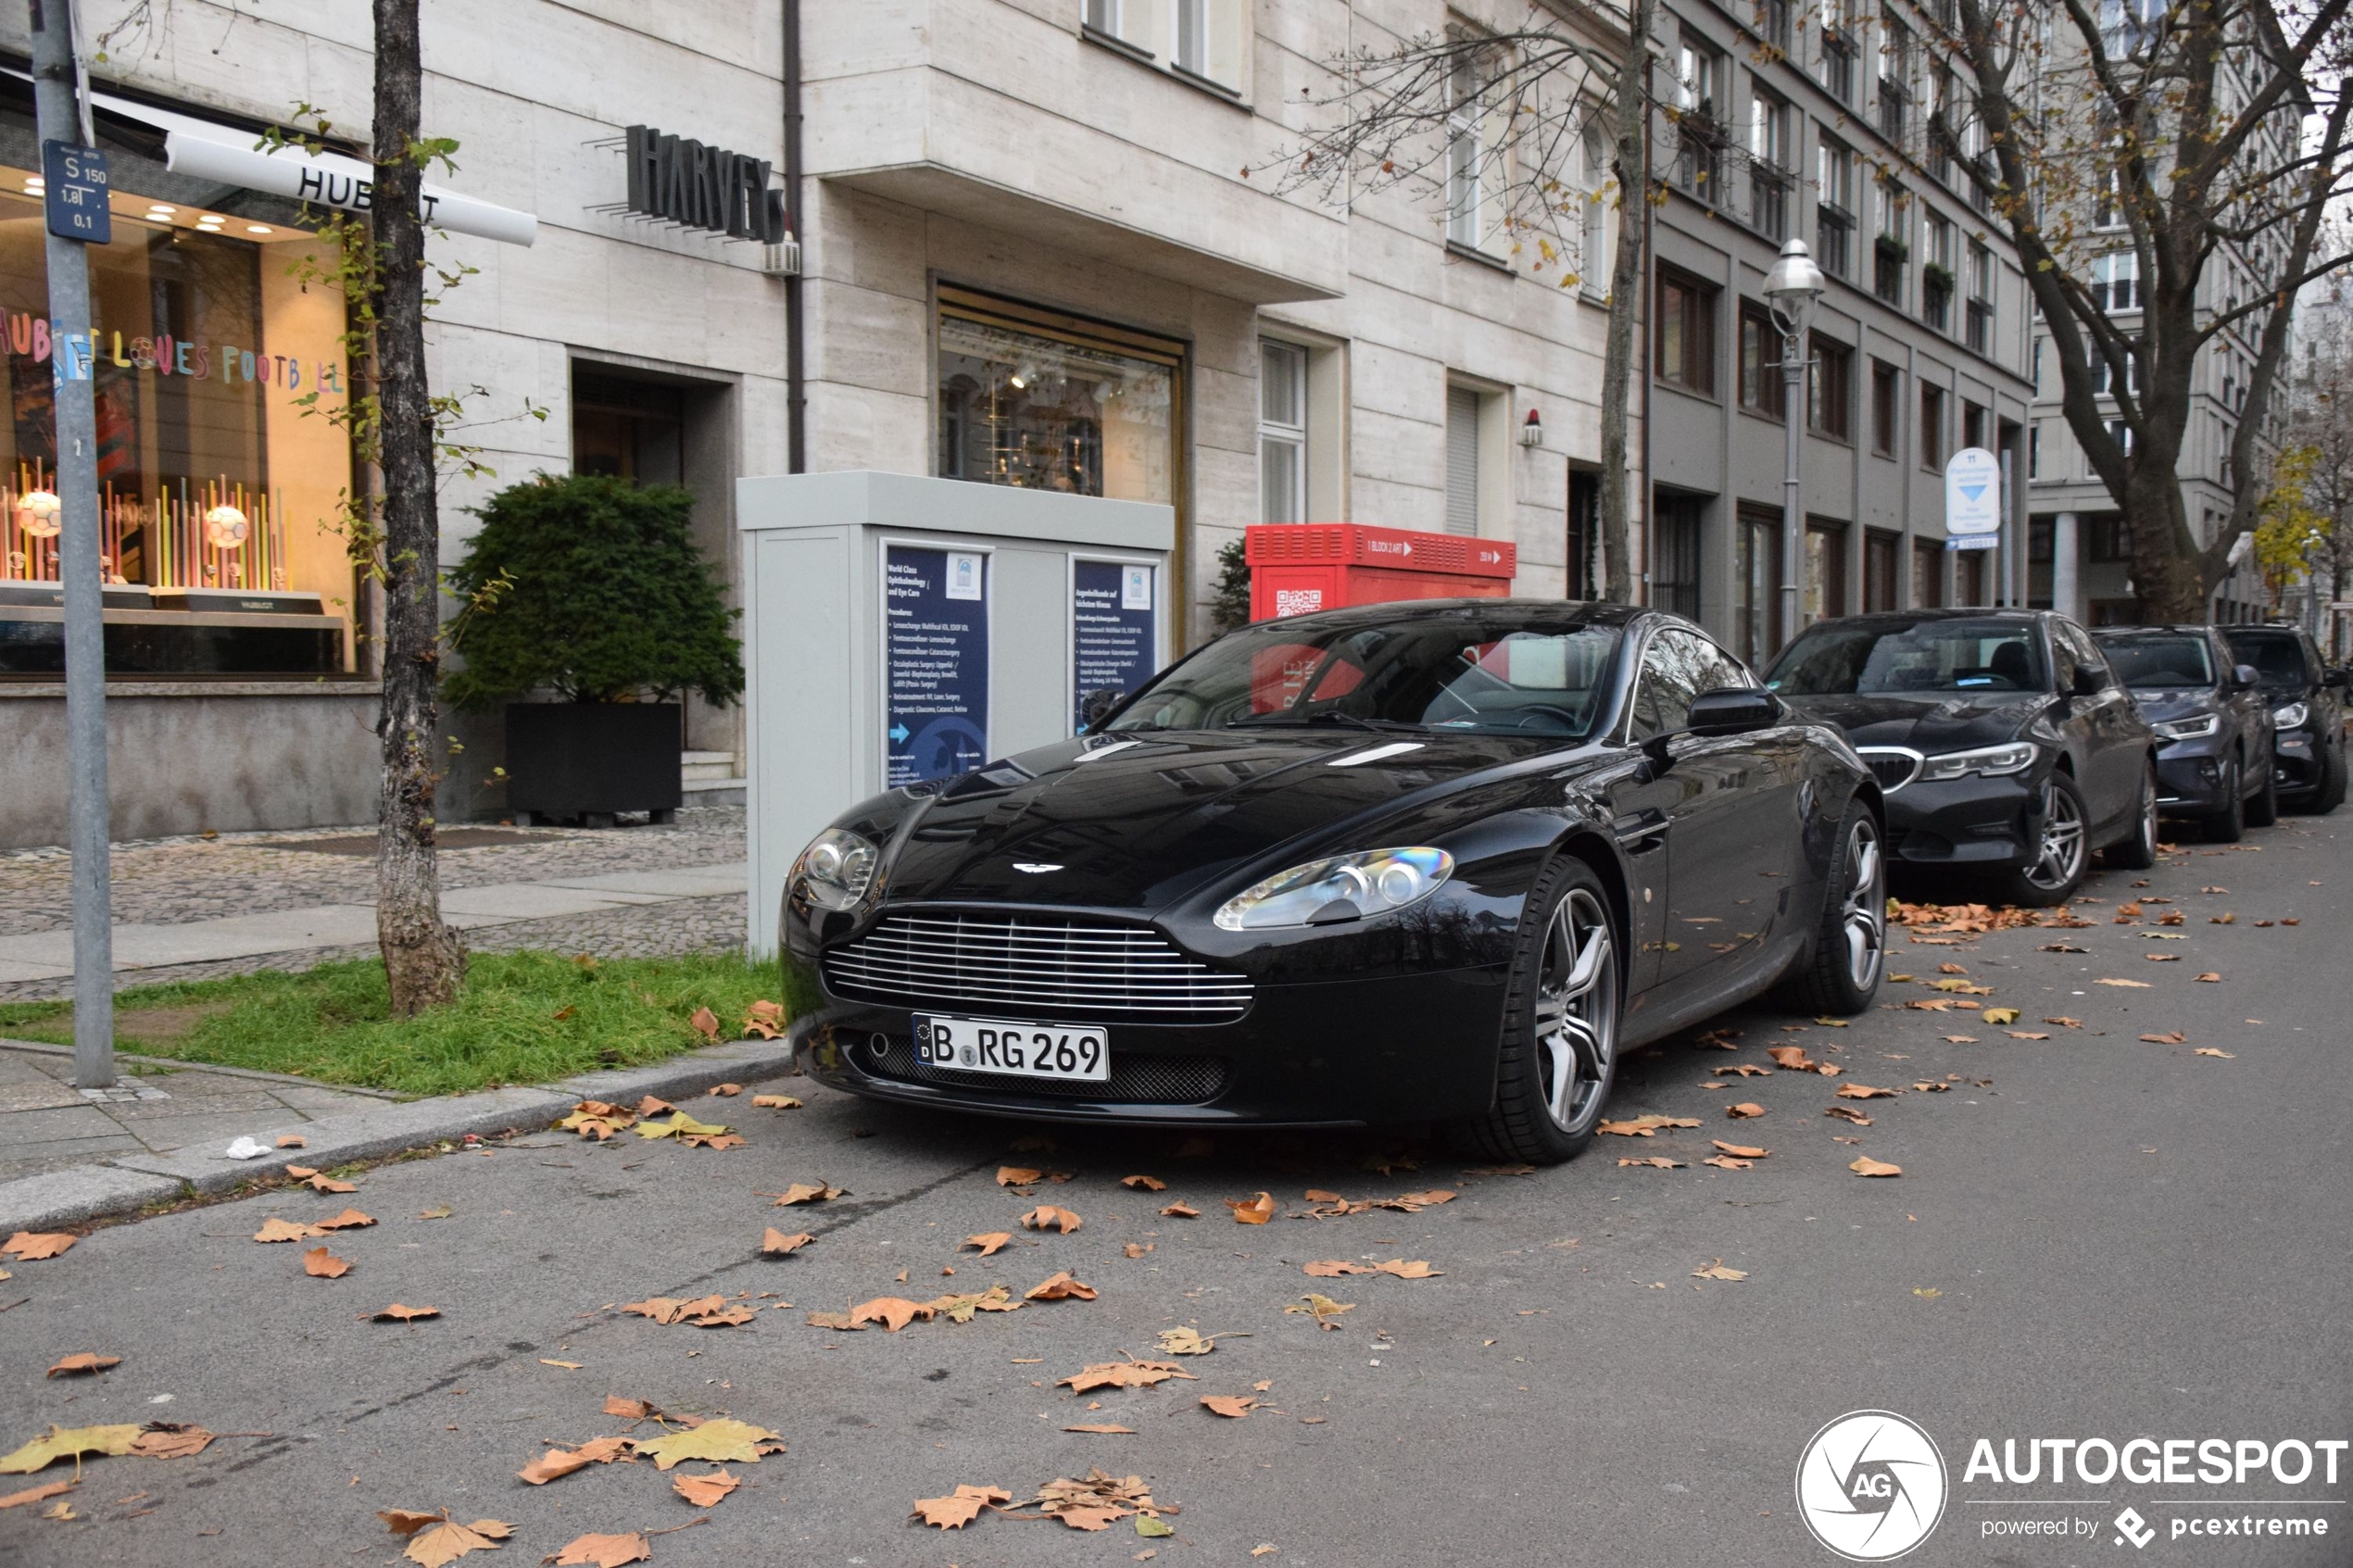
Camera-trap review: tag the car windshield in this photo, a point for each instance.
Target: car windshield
(2278, 658)
(2161, 658)
(1468, 670)
(1925, 657)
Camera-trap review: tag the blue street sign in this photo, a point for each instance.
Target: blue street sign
(74, 193)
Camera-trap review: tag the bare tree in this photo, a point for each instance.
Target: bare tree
(2320, 425)
(424, 959)
(2184, 153)
(1535, 135)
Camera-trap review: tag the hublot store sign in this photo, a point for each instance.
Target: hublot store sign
(701, 187)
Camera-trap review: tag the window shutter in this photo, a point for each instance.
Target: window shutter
(1462, 460)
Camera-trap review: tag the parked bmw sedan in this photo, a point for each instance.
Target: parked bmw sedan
(2214, 759)
(2003, 744)
(2307, 714)
(1404, 862)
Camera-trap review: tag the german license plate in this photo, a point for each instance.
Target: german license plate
(1018, 1050)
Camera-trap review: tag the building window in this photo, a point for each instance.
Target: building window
(1772, 22)
(1764, 390)
(1582, 556)
(1463, 407)
(1882, 554)
(1927, 575)
(1282, 432)
(2042, 541)
(1045, 402)
(1830, 390)
(1838, 53)
(1936, 277)
(1981, 299)
(2105, 541)
(1972, 424)
(1674, 574)
(1931, 426)
(2116, 282)
(1594, 261)
(1202, 39)
(1887, 401)
(1969, 574)
(1192, 36)
(1894, 78)
(1466, 152)
(1823, 594)
(2121, 434)
(2034, 370)
(1698, 102)
(1758, 572)
(1687, 335)
(1769, 165)
(1892, 251)
(2104, 376)
(1940, 131)
(2034, 451)
(218, 500)
(1834, 208)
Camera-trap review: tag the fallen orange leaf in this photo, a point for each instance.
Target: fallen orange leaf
(33, 1246)
(38, 1494)
(320, 1263)
(1744, 1111)
(894, 1312)
(605, 1552)
(350, 1219)
(705, 1022)
(1059, 1287)
(1143, 1183)
(1253, 1211)
(1866, 1166)
(960, 1507)
(988, 1242)
(810, 1192)
(704, 1491)
(84, 1360)
(1017, 1175)
(286, 1230)
(778, 1244)
(398, 1314)
(1047, 1217)
(1741, 1151)
(1180, 1211)
(1233, 1407)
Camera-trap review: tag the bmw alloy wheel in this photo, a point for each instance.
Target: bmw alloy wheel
(2060, 858)
(1863, 915)
(1577, 1012)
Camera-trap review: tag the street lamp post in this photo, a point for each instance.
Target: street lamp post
(1791, 289)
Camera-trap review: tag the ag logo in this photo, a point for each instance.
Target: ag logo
(1870, 1486)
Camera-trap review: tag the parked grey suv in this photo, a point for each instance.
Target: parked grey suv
(2214, 762)
(2307, 700)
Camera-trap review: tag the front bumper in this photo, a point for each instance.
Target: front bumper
(1974, 821)
(2190, 780)
(2299, 760)
(1355, 1052)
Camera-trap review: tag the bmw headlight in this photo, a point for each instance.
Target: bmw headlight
(837, 867)
(2187, 729)
(2291, 717)
(1990, 760)
(1345, 887)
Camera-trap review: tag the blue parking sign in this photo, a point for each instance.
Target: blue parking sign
(74, 193)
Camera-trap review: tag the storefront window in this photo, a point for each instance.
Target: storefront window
(216, 360)
(1027, 400)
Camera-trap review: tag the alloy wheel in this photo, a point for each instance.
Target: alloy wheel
(1863, 915)
(2060, 858)
(1577, 1012)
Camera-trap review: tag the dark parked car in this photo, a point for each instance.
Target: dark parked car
(1437, 862)
(2214, 762)
(2003, 744)
(2307, 714)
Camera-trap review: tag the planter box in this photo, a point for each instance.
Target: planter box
(593, 758)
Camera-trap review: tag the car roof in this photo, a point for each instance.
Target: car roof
(1896, 618)
(2162, 630)
(1392, 612)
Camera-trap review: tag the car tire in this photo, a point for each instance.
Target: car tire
(2138, 851)
(2058, 868)
(1561, 1013)
(2263, 806)
(2229, 824)
(2332, 791)
(1841, 970)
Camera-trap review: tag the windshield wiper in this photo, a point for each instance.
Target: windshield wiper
(1284, 718)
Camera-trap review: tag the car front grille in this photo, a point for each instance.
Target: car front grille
(1893, 766)
(1136, 1078)
(1032, 965)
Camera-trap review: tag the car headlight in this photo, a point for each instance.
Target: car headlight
(1345, 887)
(2187, 729)
(2292, 716)
(1990, 760)
(837, 868)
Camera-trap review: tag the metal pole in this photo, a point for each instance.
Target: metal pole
(1792, 411)
(57, 108)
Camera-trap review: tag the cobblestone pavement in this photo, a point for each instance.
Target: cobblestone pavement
(169, 881)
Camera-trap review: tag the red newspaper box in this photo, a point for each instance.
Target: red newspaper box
(1299, 567)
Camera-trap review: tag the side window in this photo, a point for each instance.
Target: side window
(1671, 670)
(2074, 646)
(1715, 670)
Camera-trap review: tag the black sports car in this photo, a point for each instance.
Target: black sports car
(1434, 861)
(2003, 742)
(2213, 725)
(2306, 698)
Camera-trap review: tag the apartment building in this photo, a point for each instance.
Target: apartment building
(1830, 123)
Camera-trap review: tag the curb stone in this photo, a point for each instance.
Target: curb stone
(94, 1191)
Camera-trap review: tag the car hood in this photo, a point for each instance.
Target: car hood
(1926, 721)
(2161, 703)
(1143, 820)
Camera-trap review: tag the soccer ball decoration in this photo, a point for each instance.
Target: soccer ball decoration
(37, 513)
(225, 528)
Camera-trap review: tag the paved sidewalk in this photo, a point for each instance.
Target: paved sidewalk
(47, 1124)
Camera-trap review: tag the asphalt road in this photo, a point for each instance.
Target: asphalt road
(2093, 1238)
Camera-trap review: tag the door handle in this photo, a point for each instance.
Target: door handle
(1645, 831)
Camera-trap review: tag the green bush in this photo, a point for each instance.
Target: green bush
(592, 587)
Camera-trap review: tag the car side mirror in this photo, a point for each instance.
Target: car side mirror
(1099, 704)
(2090, 681)
(2244, 678)
(2333, 678)
(1735, 710)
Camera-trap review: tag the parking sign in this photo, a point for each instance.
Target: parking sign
(74, 193)
(1973, 493)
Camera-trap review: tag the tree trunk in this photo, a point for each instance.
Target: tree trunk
(1632, 167)
(2168, 577)
(423, 958)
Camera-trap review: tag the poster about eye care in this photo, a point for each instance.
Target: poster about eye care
(935, 702)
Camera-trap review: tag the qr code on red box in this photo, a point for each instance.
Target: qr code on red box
(1298, 601)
